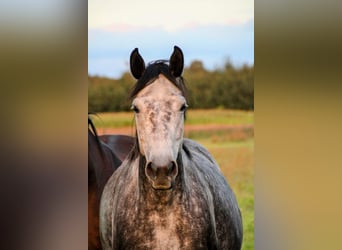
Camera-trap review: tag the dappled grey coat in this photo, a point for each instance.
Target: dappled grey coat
(201, 212)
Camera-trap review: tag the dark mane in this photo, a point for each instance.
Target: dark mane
(93, 131)
(153, 70)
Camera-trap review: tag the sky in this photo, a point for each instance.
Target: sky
(212, 31)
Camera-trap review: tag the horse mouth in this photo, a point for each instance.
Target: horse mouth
(161, 177)
(164, 186)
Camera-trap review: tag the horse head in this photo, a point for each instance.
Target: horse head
(159, 105)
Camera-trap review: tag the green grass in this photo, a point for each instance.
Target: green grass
(193, 117)
(113, 119)
(219, 116)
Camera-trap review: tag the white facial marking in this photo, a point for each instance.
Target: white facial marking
(159, 121)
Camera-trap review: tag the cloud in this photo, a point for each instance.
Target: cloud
(108, 51)
(168, 15)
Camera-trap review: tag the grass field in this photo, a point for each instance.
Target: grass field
(193, 117)
(232, 148)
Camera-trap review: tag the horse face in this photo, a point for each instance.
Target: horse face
(159, 113)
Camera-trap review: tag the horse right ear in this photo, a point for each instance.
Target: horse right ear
(137, 64)
(176, 62)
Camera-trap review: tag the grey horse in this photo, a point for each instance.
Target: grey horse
(169, 193)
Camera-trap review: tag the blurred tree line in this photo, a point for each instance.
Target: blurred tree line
(226, 87)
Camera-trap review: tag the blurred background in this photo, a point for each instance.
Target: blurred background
(297, 124)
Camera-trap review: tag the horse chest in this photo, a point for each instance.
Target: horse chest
(164, 233)
(171, 229)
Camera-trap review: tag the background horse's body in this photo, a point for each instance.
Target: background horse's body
(121, 145)
(168, 193)
(102, 162)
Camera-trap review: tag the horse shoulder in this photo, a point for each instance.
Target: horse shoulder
(201, 151)
(106, 204)
(221, 198)
(113, 199)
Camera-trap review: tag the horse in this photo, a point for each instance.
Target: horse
(121, 145)
(103, 160)
(169, 193)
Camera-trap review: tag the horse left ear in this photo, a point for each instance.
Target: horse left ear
(137, 64)
(176, 62)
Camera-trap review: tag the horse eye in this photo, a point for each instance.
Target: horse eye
(183, 108)
(135, 109)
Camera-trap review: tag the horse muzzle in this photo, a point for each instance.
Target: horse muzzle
(161, 177)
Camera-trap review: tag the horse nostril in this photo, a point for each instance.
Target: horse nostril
(170, 168)
(151, 171)
(173, 169)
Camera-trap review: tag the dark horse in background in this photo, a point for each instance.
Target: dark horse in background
(103, 159)
(169, 193)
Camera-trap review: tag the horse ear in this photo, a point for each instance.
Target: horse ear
(176, 62)
(137, 64)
